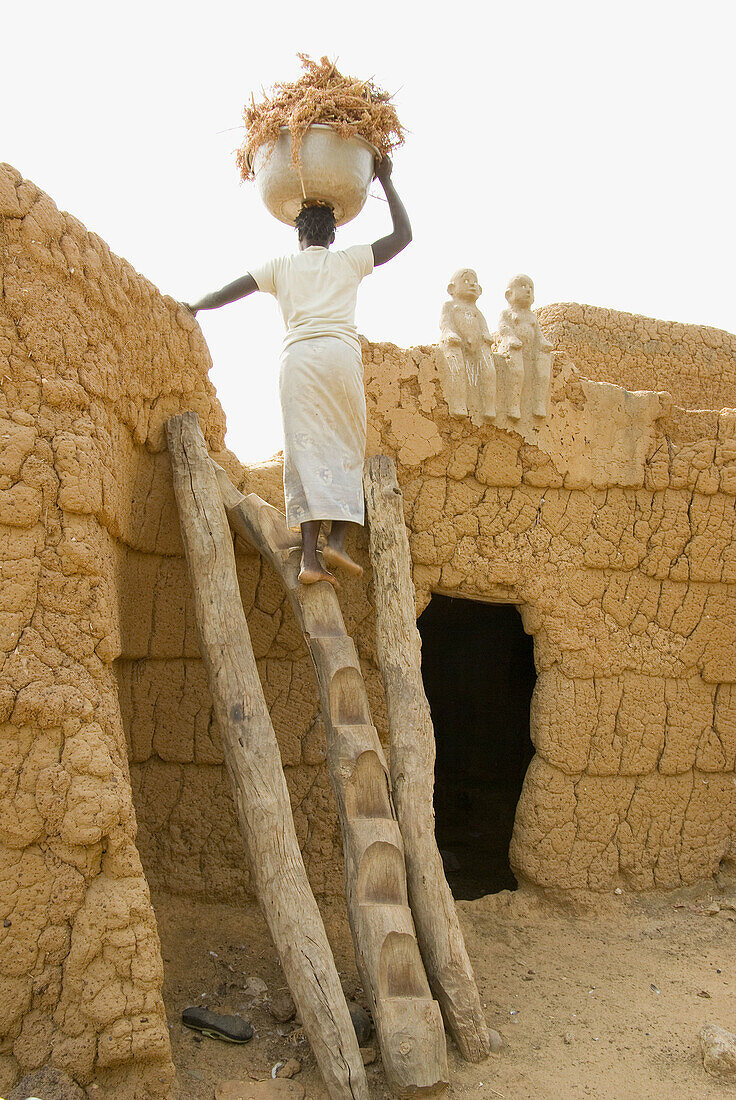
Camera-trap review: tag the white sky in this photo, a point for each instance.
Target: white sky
(590, 145)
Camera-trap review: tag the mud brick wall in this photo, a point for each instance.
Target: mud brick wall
(188, 834)
(92, 360)
(614, 534)
(695, 363)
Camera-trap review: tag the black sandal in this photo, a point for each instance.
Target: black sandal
(233, 1029)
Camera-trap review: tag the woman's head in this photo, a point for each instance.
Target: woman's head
(315, 225)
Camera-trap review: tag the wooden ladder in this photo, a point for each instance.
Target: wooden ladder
(412, 758)
(408, 1020)
(254, 763)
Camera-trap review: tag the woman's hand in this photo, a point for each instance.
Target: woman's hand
(383, 168)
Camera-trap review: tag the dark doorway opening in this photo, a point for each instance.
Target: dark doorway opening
(478, 670)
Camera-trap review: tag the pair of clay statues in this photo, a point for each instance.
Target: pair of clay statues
(470, 381)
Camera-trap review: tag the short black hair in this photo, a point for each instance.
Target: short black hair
(316, 222)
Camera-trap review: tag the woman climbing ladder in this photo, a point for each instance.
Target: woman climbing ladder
(321, 379)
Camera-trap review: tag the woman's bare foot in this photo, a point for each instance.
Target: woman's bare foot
(338, 558)
(311, 574)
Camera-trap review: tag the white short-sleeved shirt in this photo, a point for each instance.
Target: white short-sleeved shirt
(316, 290)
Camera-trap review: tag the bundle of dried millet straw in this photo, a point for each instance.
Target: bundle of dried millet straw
(321, 94)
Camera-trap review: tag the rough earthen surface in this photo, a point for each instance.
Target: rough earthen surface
(601, 1003)
(611, 525)
(697, 364)
(93, 360)
(616, 541)
(52, 1084)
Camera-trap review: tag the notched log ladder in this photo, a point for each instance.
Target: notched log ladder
(408, 1020)
(412, 758)
(254, 763)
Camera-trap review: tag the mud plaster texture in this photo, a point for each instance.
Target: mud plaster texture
(697, 365)
(92, 361)
(610, 524)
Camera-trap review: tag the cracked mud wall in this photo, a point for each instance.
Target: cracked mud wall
(695, 363)
(92, 360)
(188, 833)
(612, 526)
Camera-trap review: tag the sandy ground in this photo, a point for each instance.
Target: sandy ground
(604, 1002)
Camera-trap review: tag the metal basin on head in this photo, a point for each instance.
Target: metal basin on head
(333, 170)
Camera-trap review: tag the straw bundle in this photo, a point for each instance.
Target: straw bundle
(321, 94)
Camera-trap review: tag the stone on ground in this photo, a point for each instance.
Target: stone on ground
(282, 1007)
(718, 1047)
(495, 1040)
(255, 987)
(48, 1083)
(362, 1023)
(290, 1068)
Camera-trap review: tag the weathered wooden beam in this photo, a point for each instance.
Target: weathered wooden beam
(412, 758)
(408, 1021)
(254, 763)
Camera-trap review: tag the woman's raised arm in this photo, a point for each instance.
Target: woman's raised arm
(387, 247)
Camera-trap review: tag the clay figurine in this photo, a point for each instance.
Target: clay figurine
(468, 370)
(525, 349)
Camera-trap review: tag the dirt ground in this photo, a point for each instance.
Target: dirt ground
(604, 1001)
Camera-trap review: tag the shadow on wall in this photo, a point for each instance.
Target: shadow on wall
(478, 670)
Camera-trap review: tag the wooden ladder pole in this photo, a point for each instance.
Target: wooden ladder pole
(408, 1020)
(254, 763)
(412, 758)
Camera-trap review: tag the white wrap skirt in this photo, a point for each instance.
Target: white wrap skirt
(323, 410)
